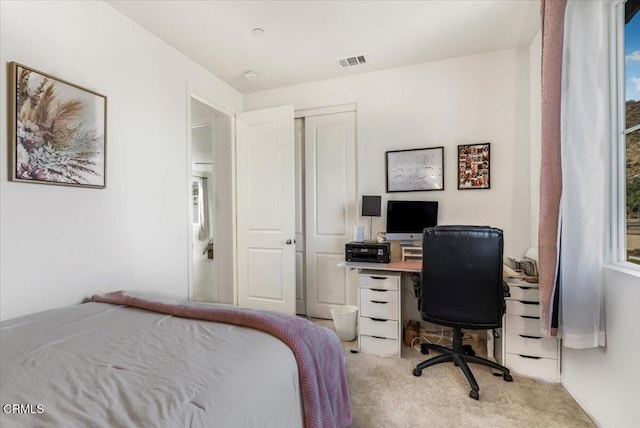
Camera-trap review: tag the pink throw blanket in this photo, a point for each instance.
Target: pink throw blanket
(318, 352)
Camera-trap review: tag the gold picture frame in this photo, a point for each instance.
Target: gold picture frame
(57, 130)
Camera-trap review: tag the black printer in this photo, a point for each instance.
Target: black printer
(369, 252)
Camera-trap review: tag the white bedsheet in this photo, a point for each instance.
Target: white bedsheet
(99, 365)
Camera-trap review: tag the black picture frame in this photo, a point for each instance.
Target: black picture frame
(474, 166)
(415, 170)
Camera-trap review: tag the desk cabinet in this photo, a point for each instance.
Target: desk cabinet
(524, 350)
(379, 319)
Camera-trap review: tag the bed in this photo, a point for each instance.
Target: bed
(127, 360)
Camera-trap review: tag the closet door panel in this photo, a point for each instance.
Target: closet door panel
(330, 209)
(301, 305)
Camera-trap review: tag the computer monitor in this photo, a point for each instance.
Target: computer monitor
(407, 219)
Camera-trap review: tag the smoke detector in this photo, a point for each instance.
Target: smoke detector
(250, 75)
(352, 61)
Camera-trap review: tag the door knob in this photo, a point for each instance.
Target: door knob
(288, 242)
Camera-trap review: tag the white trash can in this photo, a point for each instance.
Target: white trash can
(344, 318)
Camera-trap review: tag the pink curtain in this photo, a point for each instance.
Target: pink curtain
(552, 12)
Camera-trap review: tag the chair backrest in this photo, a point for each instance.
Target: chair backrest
(462, 276)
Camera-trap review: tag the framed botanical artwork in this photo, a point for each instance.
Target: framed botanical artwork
(415, 170)
(58, 130)
(474, 166)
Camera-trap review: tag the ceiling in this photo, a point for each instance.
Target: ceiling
(303, 39)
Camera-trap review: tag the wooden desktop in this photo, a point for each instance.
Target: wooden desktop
(393, 266)
(415, 266)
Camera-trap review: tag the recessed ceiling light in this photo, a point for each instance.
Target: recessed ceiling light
(250, 75)
(257, 31)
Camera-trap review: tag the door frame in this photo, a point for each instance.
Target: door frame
(342, 108)
(188, 178)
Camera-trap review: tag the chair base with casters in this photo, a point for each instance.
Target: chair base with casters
(460, 359)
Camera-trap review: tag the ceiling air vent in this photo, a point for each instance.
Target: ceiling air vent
(352, 60)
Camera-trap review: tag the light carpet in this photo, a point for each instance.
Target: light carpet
(384, 393)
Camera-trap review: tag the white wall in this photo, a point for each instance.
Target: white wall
(606, 381)
(202, 143)
(470, 99)
(535, 90)
(225, 213)
(59, 244)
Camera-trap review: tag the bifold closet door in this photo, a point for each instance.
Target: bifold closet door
(330, 209)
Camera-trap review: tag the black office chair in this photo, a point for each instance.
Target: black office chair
(462, 288)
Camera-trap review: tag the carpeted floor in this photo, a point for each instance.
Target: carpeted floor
(385, 394)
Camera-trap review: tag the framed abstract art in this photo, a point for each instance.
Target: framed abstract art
(57, 130)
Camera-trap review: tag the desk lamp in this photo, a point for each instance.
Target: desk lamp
(371, 207)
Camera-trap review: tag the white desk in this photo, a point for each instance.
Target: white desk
(380, 306)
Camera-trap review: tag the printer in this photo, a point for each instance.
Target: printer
(368, 252)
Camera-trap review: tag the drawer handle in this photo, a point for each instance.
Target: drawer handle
(530, 357)
(526, 336)
(529, 303)
(379, 337)
(378, 319)
(524, 288)
(379, 302)
(529, 317)
(379, 290)
(378, 277)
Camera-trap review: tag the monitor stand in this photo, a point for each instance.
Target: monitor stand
(404, 243)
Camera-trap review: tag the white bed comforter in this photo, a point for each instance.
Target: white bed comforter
(100, 365)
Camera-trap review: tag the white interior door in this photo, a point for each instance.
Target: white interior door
(266, 209)
(331, 209)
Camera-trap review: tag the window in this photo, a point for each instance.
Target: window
(631, 133)
(195, 193)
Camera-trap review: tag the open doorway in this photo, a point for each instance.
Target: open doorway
(211, 274)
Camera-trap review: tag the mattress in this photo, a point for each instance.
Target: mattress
(98, 365)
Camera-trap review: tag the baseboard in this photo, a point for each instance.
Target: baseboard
(583, 404)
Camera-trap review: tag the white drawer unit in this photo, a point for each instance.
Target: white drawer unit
(524, 293)
(541, 368)
(379, 327)
(377, 309)
(524, 349)
(378, 345)
(379, 295)
(519, 324)
(378, 280)
(528, 308)
(411, 253)
(379, 319)
(533, 346)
